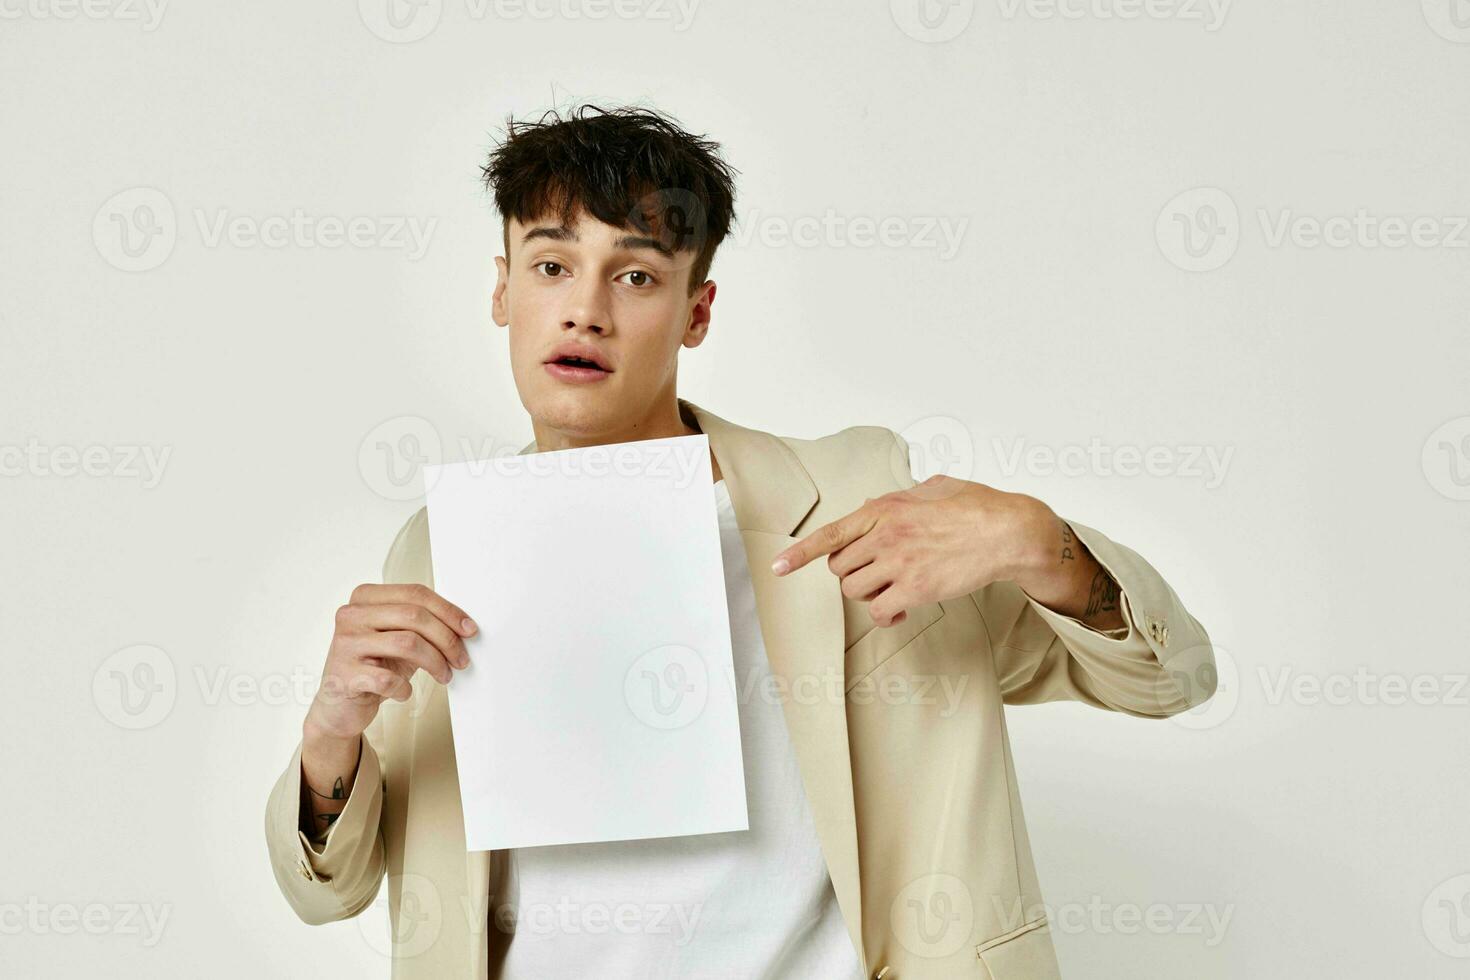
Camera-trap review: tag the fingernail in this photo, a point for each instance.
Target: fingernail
(780, 566)
(469, 626)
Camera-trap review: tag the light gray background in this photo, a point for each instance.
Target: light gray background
(1072, 147)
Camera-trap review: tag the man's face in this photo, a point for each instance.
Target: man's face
(613, 293)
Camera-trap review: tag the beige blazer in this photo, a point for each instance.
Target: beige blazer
(899, 734)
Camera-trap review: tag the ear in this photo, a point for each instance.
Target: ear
(499, 309)
(699, 315)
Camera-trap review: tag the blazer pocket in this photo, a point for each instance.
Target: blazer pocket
(1024, 953)
(879, 643)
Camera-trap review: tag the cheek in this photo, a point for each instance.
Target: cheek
(653, 327)
(527, 321)
(520, 302)
(653, 353)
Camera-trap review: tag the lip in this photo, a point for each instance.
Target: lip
(585, 351)
(575, 375)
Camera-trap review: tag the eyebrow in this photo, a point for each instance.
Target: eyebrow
(562, 233)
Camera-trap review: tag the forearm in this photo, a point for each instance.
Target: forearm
(1065, 577)
(328, 770)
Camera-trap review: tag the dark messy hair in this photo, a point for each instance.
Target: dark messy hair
(628, 167)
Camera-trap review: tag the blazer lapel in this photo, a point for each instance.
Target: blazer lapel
(801, 622)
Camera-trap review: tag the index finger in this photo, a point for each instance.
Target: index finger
(823, 541)
(453, 616)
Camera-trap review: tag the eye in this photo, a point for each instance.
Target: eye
(555, 267)
(646, 279)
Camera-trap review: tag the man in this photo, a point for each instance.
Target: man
(886, 834)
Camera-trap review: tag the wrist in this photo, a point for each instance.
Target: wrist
(1042, 540)
(329, 764)
(321, 743)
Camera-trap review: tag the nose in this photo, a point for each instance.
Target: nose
(587, 308)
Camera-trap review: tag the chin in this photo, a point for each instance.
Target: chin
(584, 411)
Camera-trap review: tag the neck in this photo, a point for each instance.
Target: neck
(662, 422)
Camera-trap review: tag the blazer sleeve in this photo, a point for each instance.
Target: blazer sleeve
(339, 877)
(336, 877)
(1159, 663)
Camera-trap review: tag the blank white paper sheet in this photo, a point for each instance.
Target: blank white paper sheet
(600, 701)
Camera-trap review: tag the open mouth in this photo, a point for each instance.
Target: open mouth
(579, 362)
(576, 368)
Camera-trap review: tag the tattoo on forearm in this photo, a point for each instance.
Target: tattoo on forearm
(1068, 541)
(326, 820)
(1102, 596)
(338, 792)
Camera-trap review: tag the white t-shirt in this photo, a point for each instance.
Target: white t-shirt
(755, 904)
